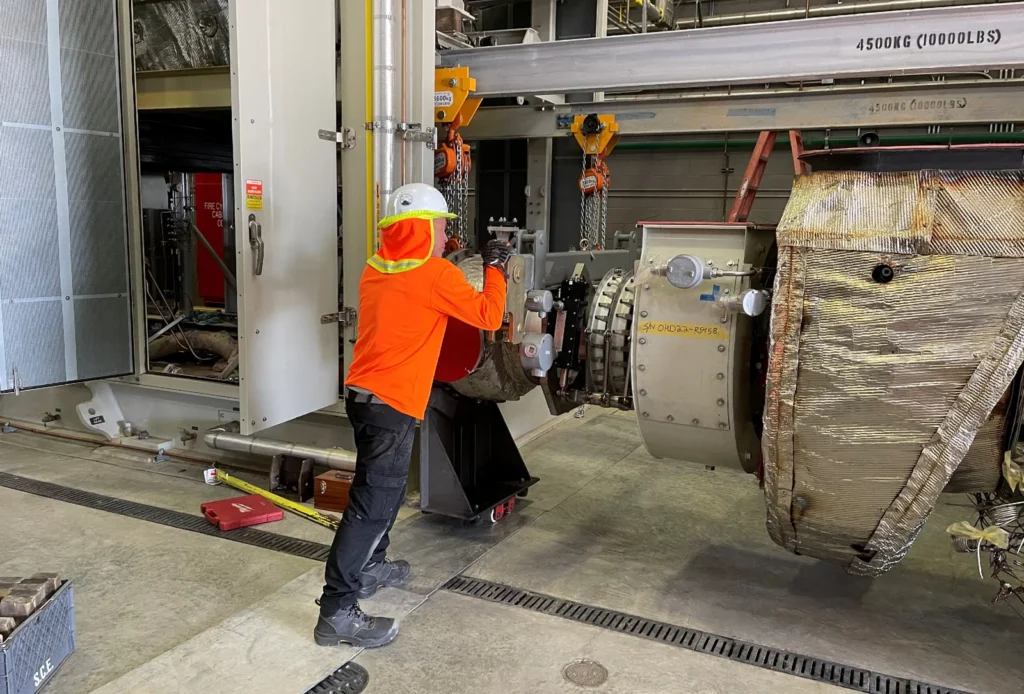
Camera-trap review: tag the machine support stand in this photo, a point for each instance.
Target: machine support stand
(292, 476)
(470, 465)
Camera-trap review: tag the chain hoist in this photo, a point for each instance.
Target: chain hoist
(597, 135)
(452, 164)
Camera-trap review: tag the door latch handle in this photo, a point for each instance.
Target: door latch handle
(256, 242)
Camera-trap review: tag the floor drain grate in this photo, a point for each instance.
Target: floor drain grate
(163, 516)
(350, 678)
(840, 675)
(585, 673)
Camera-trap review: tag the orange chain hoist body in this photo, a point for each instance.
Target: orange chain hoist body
(454, 108)
(446, 158)
(595, 179)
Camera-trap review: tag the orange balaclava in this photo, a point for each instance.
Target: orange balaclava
(405, 244)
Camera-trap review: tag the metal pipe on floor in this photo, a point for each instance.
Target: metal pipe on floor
(228, 438)
(734, 19)
(167, 327)
(100, 441)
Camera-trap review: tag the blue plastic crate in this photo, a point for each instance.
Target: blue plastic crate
(40, 644)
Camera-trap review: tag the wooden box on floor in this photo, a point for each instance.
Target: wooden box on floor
(330, 490)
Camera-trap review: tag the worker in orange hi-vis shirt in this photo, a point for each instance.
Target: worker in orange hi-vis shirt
(406, 294)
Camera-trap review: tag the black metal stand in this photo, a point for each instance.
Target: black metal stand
(469, 462)
(291, 476)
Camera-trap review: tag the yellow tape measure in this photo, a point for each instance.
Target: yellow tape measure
(286, 504)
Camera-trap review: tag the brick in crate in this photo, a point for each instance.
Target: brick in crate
(37, 630)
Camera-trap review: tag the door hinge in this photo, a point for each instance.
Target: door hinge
(415, 132)
(346, 317)
(346, 138)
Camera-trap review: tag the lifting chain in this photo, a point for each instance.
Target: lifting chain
(584, 210)
(463, 177)
(451, 169)
(594, 181)
(604, 205)
(455, 203)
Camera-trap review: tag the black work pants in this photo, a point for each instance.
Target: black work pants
(384, 438)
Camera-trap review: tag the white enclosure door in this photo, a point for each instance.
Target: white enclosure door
(283, 93)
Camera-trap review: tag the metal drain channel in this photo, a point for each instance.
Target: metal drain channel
(350, 678)
(846, 676)
(163, 516)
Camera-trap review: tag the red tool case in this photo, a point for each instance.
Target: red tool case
(241, 511)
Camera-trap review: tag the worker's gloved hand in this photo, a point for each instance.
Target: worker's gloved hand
(496, 255)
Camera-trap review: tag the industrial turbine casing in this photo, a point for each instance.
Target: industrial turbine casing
(691, 367)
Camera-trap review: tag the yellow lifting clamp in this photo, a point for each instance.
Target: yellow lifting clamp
(597, 134)
(452, 87)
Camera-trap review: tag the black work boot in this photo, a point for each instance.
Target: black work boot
(381, 574)
(353, 626)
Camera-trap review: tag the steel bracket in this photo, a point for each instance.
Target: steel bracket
(415, 132)
(345, 317)
(346, 138)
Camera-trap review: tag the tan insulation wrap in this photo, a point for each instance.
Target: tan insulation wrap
(922, 212)
(499, 376)
(878, 393)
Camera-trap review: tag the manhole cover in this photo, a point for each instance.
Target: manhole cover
(585, 673)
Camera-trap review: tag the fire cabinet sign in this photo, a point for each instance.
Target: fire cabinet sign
(253, 194)
(209, 203)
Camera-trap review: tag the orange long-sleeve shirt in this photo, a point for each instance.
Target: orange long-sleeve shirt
(403, 315)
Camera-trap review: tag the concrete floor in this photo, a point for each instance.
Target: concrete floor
(163, 610)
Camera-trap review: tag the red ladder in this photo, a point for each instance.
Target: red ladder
(755, 171)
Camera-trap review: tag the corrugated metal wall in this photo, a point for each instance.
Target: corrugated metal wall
(691, 185)
(670, 185)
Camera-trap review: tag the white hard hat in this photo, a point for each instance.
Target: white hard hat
(416, 200)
